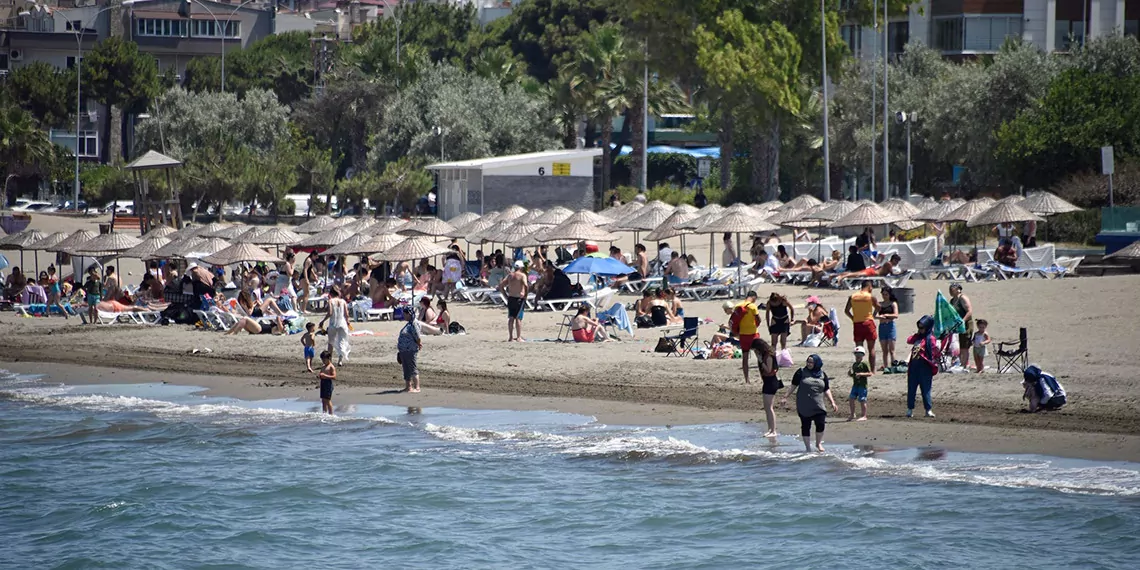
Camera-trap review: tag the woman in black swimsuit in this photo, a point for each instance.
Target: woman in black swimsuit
(766, 361)
(779, 315)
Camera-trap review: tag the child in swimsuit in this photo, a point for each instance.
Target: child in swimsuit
(309, 345)
(326, 377)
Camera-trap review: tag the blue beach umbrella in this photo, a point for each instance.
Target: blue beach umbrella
(604, 266)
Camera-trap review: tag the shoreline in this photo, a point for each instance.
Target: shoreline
(877, 432)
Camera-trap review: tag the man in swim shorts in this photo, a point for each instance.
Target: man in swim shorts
(515, 288)
(745, 322)
(861, 308)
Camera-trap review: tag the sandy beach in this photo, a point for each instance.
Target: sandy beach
(1084, 330)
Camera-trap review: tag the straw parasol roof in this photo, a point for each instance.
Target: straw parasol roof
(1131, 251)
(553, 216)
(360, 226)
(228, 232)
(536, 238)
(801, 202)
(670, 227)
(207, 246)
(1013, 198)
(315, 225)
(387, 225)
(47, 241)
(686, 209)
(622, 211)
(275, 236)
(342, 222)
(473, 228)
(575, 228)
(737, 222)
(463, 219)
(1003, 213)
(107, 244)
(703, 216)
(160, 231)
(241, 253)
(170, 250)
(488, 233)
(1047, 204)
(146, 248)
(415, 247)
(327, 238)
(433, 227)
(208, 229)
(645, 219)
(22, 239)
(782, 217)
(249, 235)
(900, 206)
(968, 210)
(511, 213)
(77, 238)
(935, 212)
(516, 232)
(380, 242)
(586, 216)
(529, 217)
(350, 246)
(768, 206)
(867, 215)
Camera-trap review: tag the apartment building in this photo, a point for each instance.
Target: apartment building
(59, 32)
(969, 28)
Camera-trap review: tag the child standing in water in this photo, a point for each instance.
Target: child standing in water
(981, 340)
(309, 344)
(326, 376)
(860, 372)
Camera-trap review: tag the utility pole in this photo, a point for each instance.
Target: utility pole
(874, 97)
(643, 183)
(826, 140)
(886, 106)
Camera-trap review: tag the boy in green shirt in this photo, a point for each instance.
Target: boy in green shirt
(859, 373)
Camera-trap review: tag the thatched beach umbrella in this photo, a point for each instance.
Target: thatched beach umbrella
(1131, 252)
(79, 237)
(516, 232)
(379, 243)
(350, 246)
(21, 242)
(903, 208)
(315, 225)
(146, 248)
(511, 213)
(325, 239)
(736, 222)
(801, 202)
(783, 216)
(968, 210)
(644, 220)
(1047, 204)
(159, 231)
(472, 229)
(362, 226)
(47, 241)
(1003, 213)
(488, 233)
(386, 225)
(553, 216)
(528, 217)
(104, 245)
(935, 212)
(463, 219)
(538, 238)
(240, 253)
(208, 229)
(274, 236)
(431, 227)
(411, 249)
(869, 214)
(686, 209)
(703, 216)
(670, 227)
(623, 211)
(170, 250)
(576, 228)
(199, 249)
(227, 233)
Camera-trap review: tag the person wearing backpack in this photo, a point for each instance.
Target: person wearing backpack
(923, 365)
(745, 321)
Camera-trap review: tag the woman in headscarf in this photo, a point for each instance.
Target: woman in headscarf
(923, 365)
(1042, 390)
(812, 388)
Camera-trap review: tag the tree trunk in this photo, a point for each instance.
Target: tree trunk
(758, 166)
(725, 139)
(607, 152)
(622, 139)
(637, 125)
(115, 140)
(772, 189)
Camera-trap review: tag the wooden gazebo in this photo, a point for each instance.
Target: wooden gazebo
(154, 212)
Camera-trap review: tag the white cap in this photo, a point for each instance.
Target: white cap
(859, 350)
(519, 265)
(191, 266)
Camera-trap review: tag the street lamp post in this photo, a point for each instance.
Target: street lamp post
(441, 132)
(906, 119)
(79, 90)
(826, 140)
(886, 112)
(222, 32)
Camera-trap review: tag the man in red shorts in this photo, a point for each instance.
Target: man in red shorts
(861, 308)
(745, 321)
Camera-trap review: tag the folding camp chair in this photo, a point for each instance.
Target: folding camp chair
(829, 336)
(1013, 354)
(682, 344)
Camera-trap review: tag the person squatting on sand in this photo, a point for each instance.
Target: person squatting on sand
(811, 385)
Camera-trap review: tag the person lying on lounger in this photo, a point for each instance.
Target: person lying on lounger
(117, 307)
(883, 270)
(253, 326)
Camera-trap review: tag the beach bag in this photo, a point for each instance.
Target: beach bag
(456, 328)
(665, 345)
(723, 351)
(644, 322)
(813, 340)
(784, 359)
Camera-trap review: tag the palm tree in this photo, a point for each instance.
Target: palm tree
(24, 147)
(596, 75)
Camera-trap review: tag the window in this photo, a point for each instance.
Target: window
(71, 61)
(160, 27)
(3, 61)
(898, 34)
(853, 35)
(1068, 33)
(88, 142)
(77, 25)
(984, 33)
(212, 29)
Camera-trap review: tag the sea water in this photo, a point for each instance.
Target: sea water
(158, 476)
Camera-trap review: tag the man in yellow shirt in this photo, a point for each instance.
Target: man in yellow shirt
(746, 321)
(861, 308)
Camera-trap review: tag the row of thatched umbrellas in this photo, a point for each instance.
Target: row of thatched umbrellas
(395, 239)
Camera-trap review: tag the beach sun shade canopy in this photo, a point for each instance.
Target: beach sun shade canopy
(604, 266)
(515, 232)
(276, 236)
(488, 233)
(511, 213)
(801, 202)
(77, 238)
(413, 248)
(586, 216)
(1003, 213)
(765, 207)
(146, 248)
(249, 235)
(900, 206)
(47, 241)
(360, 226)
(315, 225)
(113, 243)
(431, 227)
(967, 211)
(207, 246)
(209, 229)
(152, 161)
(529, 217)
(577, 230)
(670, 226)
(737, 222)
(1047, 204)
(1013, 199)
(228, 232)
(645, 219)
(463, 219)
(472, 229)
(325, 239)
(350, 246)
(387, 225)
(703, 216)
(553, 216)
(936, 211)
(169, 251)
(1131, 251)
(866, 215)
(686, 209)
(831, 211)
(160, 231)
(241, 253)
(623, 211)
(22, 240)
(782, 217)
(379, 243)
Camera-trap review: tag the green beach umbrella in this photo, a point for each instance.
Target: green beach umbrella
(946, 318)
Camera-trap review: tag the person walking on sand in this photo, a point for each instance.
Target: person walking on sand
(766, 362)
(923, 366)
(861, 308)
(811, 386)
(326, 377)
(779, 315)
(408, 347)
(745, 321)
(515, 286)
(337, 329)
(860, 372)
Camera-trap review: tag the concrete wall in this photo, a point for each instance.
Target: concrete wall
(573, 192)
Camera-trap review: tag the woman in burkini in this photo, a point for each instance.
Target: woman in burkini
(922, 366)
(812, 388)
